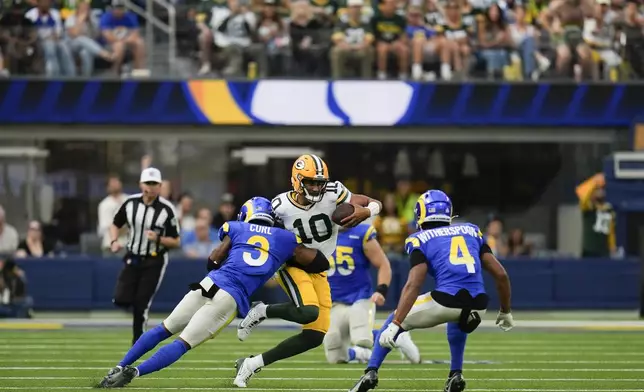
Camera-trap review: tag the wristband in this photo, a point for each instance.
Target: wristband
(374, 207)
(396, 323)
(382, 289)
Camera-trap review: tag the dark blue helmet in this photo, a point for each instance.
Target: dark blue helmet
(257, 208)
(433, 206)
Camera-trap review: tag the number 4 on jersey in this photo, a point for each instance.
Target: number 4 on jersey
(459, 254)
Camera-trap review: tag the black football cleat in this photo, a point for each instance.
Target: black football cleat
(124, 377)
(367, 382)
(456, 383)
(107, 380)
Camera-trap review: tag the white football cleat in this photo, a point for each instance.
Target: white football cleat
(408, 348)
(244, 372)
(255, 316)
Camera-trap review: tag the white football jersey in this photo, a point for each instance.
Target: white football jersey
(313, 223)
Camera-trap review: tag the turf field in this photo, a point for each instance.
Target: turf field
(521, 360)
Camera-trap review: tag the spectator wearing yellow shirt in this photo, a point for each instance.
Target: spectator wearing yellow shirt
(405, 201)
(494, 237)
(391, 228)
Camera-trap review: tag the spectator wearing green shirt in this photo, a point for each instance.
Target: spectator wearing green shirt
(389, 31)
(352, 40)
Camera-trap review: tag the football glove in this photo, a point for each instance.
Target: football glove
(505, 321)
(388, 336)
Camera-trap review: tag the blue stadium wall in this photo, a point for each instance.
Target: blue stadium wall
(84, 283)
(321, 103)
(87, 283)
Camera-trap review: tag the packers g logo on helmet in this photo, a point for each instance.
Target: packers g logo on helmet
(309, 177)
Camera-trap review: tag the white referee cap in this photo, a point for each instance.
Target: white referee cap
(151, 174)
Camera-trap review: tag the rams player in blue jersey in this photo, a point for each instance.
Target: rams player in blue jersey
(250, 253)
(351, 335)
(454, 254)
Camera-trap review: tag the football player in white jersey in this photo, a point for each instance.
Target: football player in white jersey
(306, 211)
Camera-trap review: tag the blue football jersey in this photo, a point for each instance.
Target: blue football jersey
(256, 253)
(349, 275)
(453, 255)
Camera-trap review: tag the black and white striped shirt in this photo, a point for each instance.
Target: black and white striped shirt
(159, 216)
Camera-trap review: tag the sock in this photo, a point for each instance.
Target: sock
(457, 340)
(166, 356)
(289, 312)
(256, 362)
(379, 353)
(145, 343)
(375, 333)
(360, 354)
(417, 71)
(302, 342)
(446, 71)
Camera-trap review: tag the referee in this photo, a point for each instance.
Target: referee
(152, 230)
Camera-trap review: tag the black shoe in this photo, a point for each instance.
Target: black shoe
(367, 382)
(124, 377)
(107, 380)
(456, 383)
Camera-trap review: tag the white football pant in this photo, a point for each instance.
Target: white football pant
(351, 325)
(427, 313)
(200, 318)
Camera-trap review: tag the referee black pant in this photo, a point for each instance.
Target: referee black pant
(136, 286)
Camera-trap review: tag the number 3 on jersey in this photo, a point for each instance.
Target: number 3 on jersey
(261, 251)
(320, 229)
(459, 254)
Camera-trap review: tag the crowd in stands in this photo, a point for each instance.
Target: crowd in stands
(422, 39)
(39, 37)
(396, 222)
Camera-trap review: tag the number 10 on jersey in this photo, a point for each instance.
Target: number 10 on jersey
(459, 254)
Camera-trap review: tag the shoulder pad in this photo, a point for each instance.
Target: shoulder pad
(278, 203)
(411, 243)
(337, 192)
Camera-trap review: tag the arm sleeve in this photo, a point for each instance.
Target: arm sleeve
(369, 234)
(172, 228)
(132, 19)
(120, 218)
(416, 257)
(411, 244)
(342, 193)
(224, 230)
(104, 23)
(485, 248)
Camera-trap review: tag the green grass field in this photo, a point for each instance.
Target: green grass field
(75, 359)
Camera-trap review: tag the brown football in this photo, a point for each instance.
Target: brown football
(341, 212)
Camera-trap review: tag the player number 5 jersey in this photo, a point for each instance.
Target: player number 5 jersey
(312, 223)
